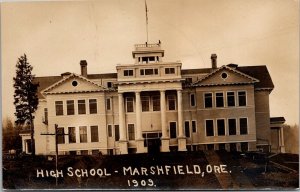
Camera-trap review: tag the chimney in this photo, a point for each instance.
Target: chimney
(83, 65)
(213, 61)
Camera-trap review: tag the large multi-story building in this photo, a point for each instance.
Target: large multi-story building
(153, 105)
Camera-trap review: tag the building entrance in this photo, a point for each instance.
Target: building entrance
(152, 142)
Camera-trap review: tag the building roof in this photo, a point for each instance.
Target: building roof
(259, 72)
(45, 82)
(277, 120)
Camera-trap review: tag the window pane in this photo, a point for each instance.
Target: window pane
(109, 130)
(156, 103)
(173, 132)
(194, 126)
(72, 135)
(244, 146)
(129, 104)
(94, 134)
(187, 128)
(232, 147)
(81, 107)
(59, 108)
(83, 134)
(145, 103)
(142, 72)
(192, 100)
(219, 100)
(243, 126)
(46, 115)
(148, 71)
(172, 102)
(131, 133)
(61, 136)
(208, 100)
(169, 70)
(242, 98)
(230, 99)
(93, 106)
(117, 133)
(128, 73)
(108, 104)
(70, 107)
(221, 126)
(209, 127)
(232, 126)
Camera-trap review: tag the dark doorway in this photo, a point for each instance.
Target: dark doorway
(153, 145)
(152, 141)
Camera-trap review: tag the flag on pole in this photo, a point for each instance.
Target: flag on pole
(146, 11)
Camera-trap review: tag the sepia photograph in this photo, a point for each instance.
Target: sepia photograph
(150, 95)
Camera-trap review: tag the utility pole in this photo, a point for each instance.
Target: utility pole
(56, 134)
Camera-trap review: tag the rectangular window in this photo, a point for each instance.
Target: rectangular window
(108, 104)
(208, 101)
(230, 99)
(70, 107)
(128, 72)
(242, 98)
(145, 103)
(131, 133)
(222, 146)
(232, 146)
(109, 84)
(60, 135)
(169, 70)
(149, 71)
(117, 133)
(192, 100)
(93, 106)
(244, 146)
(243, 126)
(194, 126)
(219, 100)
(209, 126)
(72, 135)
(46, 115)
(81, 107)
(129, 104)
(94, 134)
(187, 128)
(156, 103)
(221, 127)
(173, 130)
(232, 126)
(83, 134)
(109, 130)
(59, 108)
(171, 102)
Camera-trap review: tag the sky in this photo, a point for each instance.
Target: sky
(57, 35)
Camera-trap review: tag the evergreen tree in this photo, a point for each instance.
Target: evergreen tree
(10, 136)
(25, 97)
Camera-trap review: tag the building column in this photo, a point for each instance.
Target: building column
(281, 139)
(165, 140)
(139, 137)
(181, 136)
(123, 141)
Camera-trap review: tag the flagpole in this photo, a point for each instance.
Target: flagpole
(146, 19)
